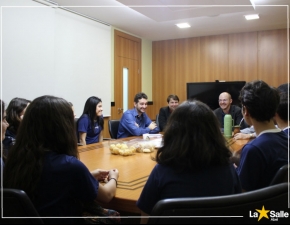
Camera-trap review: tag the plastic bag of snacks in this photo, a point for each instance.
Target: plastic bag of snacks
(121, 148)
(142, 145)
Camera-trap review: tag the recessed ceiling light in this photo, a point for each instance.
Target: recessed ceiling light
(252, 17)
(183, 25)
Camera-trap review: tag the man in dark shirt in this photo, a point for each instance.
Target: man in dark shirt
(164, 112)
(226, 107)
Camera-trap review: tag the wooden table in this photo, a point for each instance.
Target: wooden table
(133, 170)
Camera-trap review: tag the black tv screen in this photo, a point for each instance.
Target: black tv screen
(208, 92)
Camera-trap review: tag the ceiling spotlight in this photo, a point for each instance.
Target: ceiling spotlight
(252, 17)
(183, 25)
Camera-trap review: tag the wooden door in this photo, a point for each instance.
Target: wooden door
(127, 55)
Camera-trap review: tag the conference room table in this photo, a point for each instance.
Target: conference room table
(133, 170)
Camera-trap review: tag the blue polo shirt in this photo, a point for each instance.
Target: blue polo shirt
(93, 134)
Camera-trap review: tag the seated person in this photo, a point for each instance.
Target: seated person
(246, 133)
(190, 164)
(226, 107)
(165, 112)
(4, 126)
(44, 162)
(282, 115)
(268, 152)
(135, 122)
(91, 122)
(14, 115)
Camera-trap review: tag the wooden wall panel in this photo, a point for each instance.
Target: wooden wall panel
(106, 133)
(231, 57)
(214, 58)
(127, 55)
(272, 57)
(164, 73)
(243, 57)
(187, 64)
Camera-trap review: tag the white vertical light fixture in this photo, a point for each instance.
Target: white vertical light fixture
(125, 89)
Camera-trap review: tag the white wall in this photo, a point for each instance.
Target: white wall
(49, 51)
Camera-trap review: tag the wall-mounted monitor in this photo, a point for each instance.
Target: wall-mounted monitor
(208, 92)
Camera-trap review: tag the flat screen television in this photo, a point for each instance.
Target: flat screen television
(208, 92)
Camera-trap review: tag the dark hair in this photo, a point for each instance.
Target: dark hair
(174, 97)
(90, 110)
(192, 139)
(2, 109)
(140, 96)
(260, 99)
(48, 125)
(283, 106)
(2, 116)
(15, 107)
(283, 88)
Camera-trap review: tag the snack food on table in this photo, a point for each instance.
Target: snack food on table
(122, 149)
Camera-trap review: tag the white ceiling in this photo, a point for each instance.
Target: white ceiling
(155, 19)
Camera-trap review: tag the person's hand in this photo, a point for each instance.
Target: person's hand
(241, 136)
(100, 174)
(113, 173)
(152, 126)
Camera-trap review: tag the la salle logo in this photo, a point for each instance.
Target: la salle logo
(264, 213)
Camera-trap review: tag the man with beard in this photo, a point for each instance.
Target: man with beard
(135, 122)
(226, 107)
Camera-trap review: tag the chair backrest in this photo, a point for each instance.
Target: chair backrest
(237, 208)
(17, 204)
(156, 120)
(76, 128)
(282, 175)
(113, 128)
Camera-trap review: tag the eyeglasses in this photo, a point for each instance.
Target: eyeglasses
(223, 100)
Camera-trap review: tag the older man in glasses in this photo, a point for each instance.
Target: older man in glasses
(226, 107)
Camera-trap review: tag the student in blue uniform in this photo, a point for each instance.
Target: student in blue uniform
(91, 122)
(282, 114)
(268, 152)
(194, 160)
(4, 126)
(14, 115)
(44, 162)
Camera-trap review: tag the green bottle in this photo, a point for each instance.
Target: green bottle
(228, 124)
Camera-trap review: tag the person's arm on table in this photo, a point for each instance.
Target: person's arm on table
(106, 192)
(151, 125)
(242, 136)
(101, 137)
(82, 138)
(130, 125)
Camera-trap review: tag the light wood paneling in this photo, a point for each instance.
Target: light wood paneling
(164, 73)
(187, 65)
(243, 57)
(231, 57)
(272, 57)
(214, 58)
